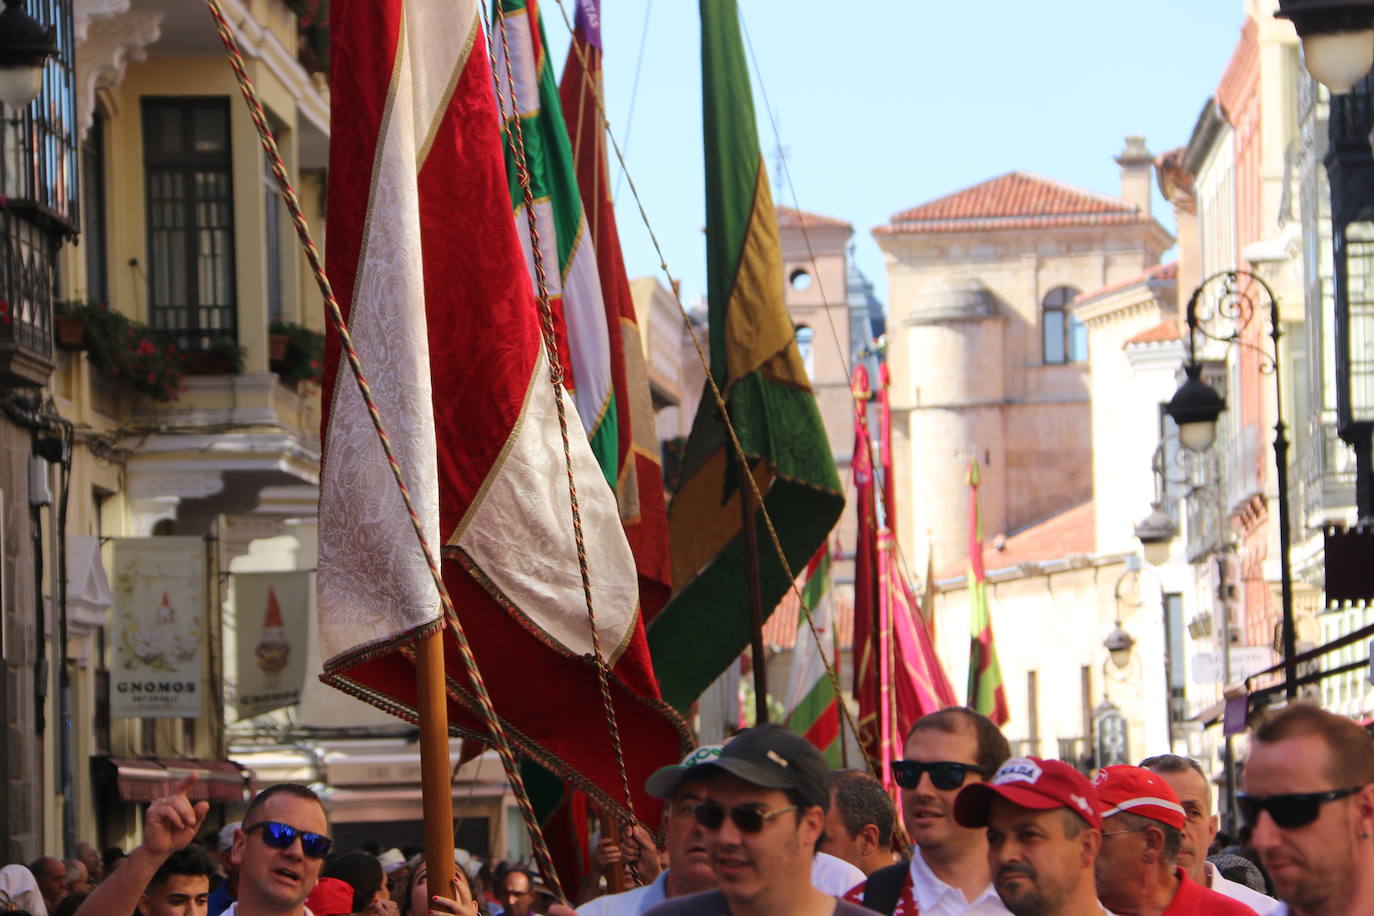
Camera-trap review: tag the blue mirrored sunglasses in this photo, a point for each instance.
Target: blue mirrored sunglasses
(281, 836)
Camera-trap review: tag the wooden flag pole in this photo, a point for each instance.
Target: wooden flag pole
(615, 874)
(751, 574)
(436, 781)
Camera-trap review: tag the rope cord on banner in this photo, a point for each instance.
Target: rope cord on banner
(722, 408)
(517, 135)
(488, 711)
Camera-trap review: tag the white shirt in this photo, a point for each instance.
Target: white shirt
(833, 875)
(1264, 906)
(936, 898)
(629, 903)
(829, 875)
(233, 909)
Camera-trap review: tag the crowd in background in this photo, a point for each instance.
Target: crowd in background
(761, 826)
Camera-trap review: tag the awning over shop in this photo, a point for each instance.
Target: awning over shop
(145, 779)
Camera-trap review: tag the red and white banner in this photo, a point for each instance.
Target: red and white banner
(427, 266)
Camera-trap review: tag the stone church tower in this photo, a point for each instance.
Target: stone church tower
(986, 356)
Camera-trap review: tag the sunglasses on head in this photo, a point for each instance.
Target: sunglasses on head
(1288, 811)
(746, 818)
(281, 836)
(944, 774)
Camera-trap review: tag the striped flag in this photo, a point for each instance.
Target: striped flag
(639, 480)
(569, 259)
(811, 706)
(755, 360)
(985, 693)
(427, 267)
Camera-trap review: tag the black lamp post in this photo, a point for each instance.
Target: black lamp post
(1196, 406)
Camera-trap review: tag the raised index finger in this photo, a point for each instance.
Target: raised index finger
(181, 785)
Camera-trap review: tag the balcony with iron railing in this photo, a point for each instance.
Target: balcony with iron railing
(37, 206)
(1325, 475)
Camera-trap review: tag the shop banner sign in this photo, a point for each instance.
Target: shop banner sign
(273, 611)
(158, 663)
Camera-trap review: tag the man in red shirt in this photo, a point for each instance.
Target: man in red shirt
(1137, 868)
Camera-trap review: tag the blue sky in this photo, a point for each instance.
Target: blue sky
(885, 105)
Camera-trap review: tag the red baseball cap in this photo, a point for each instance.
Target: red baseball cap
(331, 897)
(1030, 782)
(1124, 789)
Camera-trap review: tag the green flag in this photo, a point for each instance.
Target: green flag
(754, 359)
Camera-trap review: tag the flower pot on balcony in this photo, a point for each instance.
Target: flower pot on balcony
(276, 347)
(71, 333)
(199, 362)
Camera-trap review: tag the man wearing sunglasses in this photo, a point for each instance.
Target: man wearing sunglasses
(1309, 800)
(1184, 775)
(689, 866)
(1137, 869)
(279, 851)
(948, 874)
(763, 814)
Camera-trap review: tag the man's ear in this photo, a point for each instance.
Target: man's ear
(1089, 844)
(1364, 806)
(143, 904)
(1212, 826)
(1154, 844)
(236, 850)
(867, 839)
(811, 823)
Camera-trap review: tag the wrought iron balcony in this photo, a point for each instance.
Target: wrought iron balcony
(1326, 475)
(37, 207)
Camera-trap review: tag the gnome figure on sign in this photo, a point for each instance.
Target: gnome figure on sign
(273, 649)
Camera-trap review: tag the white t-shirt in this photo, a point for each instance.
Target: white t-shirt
(628, 903)
(233, 910)
(832, 875)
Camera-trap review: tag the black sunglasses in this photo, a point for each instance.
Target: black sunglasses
(1288, 811)
(281, 836)
(747, 818)
(944, 774)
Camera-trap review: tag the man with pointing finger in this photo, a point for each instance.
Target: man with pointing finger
(278, 850)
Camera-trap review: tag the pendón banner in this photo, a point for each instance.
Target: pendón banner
(157, 666)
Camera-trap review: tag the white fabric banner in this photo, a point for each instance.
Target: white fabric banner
(273, 611)
(157, 668)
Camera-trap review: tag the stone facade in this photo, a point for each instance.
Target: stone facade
(970, 277)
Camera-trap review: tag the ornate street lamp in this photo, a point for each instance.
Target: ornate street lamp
(1199, 404)
(1337, 39)
(25, 46)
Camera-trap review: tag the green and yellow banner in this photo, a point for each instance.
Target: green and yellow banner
(755, 360)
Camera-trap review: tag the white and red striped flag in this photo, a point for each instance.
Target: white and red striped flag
(427, 266)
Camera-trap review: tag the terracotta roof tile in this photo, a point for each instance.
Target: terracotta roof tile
(780, 629)
(1071, 532)
(1164, 332)
(789, 217)
(1014, 201)
(1168, 271)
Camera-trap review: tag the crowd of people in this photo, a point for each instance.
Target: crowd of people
(761, 826)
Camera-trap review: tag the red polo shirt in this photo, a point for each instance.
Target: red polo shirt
(1192, 898)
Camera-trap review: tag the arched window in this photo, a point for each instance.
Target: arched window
(805, 338)
(1065, 337)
